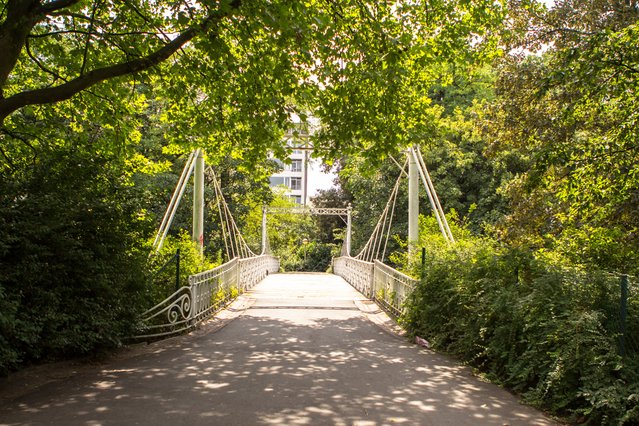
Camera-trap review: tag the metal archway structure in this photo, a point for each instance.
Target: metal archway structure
(316, 211)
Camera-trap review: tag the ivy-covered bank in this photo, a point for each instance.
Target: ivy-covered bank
(552, 332)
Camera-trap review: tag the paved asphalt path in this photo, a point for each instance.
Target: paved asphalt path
(299, 352)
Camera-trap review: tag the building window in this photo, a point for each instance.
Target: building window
(277, 180)
(296, 166)
(296, 198)
(296, 183)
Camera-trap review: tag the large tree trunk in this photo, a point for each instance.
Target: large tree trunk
(22, 15)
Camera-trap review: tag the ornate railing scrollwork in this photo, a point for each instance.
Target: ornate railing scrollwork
(321, 211)
(206, 293)
(180, 310)
(171, 315)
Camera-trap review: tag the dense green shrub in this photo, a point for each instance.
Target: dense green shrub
(72, 265)
(531, 322)
(310, 257)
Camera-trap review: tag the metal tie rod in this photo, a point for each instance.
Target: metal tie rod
(175, 200)
(432, 187)
(439, 215)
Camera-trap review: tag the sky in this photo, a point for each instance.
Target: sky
(317, 179)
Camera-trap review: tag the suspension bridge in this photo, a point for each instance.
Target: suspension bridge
(366, 272)
(267, 348)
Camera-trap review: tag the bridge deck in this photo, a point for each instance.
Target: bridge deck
(301, 353)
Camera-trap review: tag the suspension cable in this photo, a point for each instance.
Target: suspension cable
(219, 210)
(429, 193)
(230, 230)
(432, 187)
(432, 195)
(390, 221)
(388, 217)
(370, 251)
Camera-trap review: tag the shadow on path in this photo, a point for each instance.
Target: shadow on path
(278, 364)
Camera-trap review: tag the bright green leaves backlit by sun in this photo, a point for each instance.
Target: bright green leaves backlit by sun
(363, 68)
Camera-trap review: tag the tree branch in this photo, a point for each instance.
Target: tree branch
(16, 136)
(53, 6)
(39, 64)
(620, 63)
(88, 37)
(20, 18)
(80, 32)
(9, 162)
(75, 15)
(67, 90)
(146, 19)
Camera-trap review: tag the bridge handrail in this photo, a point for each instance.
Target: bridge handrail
(207, 292)
(376, 281)
(392, 287)
(210, 289)
(255, 269)
(358, 273)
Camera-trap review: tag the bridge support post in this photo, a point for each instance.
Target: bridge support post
(348, 229)
(198, 201)
(264, 229)
(413, 203)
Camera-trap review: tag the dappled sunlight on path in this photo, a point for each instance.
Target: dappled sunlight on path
(291, 358)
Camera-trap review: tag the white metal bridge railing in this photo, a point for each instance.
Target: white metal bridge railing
(358, 273)
(205, 294)
(376, 281)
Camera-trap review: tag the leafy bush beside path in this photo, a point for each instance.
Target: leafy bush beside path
(545, 329)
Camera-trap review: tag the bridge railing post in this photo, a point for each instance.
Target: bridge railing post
(238, 277)
(349, 228)
(623, 314)
(193, 288)
(374, 283)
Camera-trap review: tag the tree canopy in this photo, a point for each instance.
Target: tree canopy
(230, 73)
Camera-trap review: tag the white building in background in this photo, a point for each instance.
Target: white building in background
(294, 175)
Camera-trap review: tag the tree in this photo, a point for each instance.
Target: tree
(33, 29)
(570, 113)
(454, 151)
(330, 226)
(359, 67)
(89, 90)
(466, 180)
